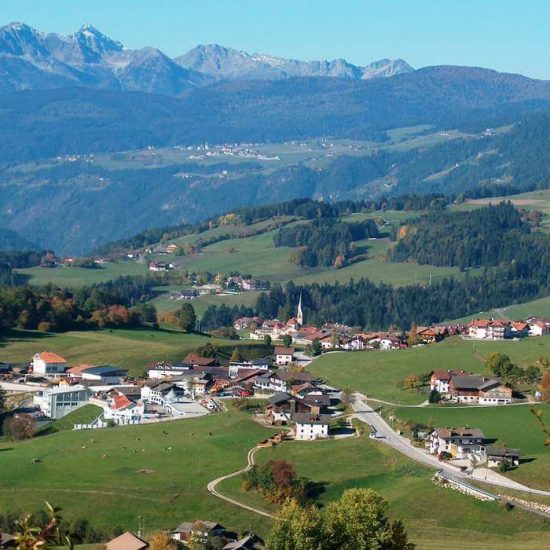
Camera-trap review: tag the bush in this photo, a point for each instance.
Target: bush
(44, 326)
(19, 427)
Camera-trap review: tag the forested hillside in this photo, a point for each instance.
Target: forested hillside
(325, 242)
(487, 237)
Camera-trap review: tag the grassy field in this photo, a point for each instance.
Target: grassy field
(83, 415)
(514, 426)
(70, 277)
(132, 349)
(379, 373)
(425, 508)
(113, 476)
(163, 303)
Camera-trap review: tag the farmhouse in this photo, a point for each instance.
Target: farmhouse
(539, 327)
(440, 379)
(459, 443)
(284, 356)
(310, 426)
(479, 390)
(200, 530)
(48, 364)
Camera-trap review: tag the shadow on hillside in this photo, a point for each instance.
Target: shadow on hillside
(8, 336)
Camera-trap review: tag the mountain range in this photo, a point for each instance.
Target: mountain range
(73, 96)
(30, 59)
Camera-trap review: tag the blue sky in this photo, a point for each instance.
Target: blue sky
(507, 35)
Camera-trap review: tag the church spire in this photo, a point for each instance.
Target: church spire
(300, 313)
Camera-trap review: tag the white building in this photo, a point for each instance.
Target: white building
(284, 356)
(57, 402)
(48, 364)
(310, 426)
(459, 443)
(105, 374)
(256, 364)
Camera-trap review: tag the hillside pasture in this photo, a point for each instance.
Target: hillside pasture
(422, 506)
(379, 374)
(513, 426)
(131, 349)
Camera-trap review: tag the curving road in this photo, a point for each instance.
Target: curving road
(249, 465)
(385, 434)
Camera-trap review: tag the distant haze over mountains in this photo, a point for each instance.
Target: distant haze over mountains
(30, 59)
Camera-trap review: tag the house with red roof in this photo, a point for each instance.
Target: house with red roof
(48, 363)
(488, 329)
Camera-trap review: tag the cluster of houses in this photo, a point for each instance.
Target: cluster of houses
(470, 444)
(498, 329)
(332, 336)
(468, 388)
(185, 389)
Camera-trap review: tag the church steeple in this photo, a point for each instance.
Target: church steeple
(300, 313)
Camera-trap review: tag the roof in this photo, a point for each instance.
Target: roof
(199, 360)
(503, 452)
(127, 541)
(488, 384)
(121, 402)
(309, 418)
(462, 433)
(279, 398)
(319, 400)
(187, 527)
(280, 350)
(50, 357)
(305, 386)
(467, 382)
(77, 371)
(106, 370)
(298, 376)
(245, 543)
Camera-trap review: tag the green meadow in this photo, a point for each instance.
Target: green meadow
(132, 349)
(378, 374)
(70, 277)
(113, 476)
(513, 426)
(424, 508)
(160, 472)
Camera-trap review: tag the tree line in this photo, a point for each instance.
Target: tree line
(120, 302)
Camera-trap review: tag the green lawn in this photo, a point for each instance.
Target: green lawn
(69, 277)
(378, 373)
(514, 426)
(163, 303)
(96, 474)
(83, 415)
(132, 349)
(425, 508)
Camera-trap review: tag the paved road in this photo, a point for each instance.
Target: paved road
(214, 483)
(388, 436)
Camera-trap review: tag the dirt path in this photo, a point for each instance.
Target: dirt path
(249, 465)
